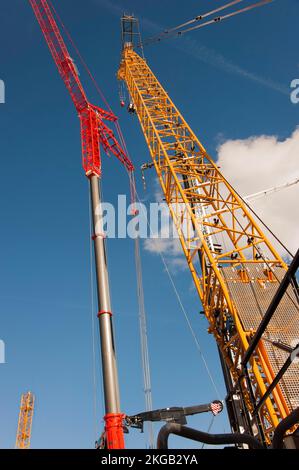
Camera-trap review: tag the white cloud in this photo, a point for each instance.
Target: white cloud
(252, 165)
(160, 243)
(171, 246)
(259, 163)
(170, 249)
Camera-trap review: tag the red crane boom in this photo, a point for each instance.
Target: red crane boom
(93, 130)
(94, 133)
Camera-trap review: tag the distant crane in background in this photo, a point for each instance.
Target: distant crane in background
(94, 133)
(25, 421)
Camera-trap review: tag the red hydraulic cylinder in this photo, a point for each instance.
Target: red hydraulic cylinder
(114, 431)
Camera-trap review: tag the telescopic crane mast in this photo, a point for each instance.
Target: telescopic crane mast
(235, 268)
(94, 133)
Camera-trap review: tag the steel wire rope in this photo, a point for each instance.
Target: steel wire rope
(197, 18)
(229, 15)
(146, 361)
(251, 286)
(172, 282)
(137, 195)
(258, 248)
(209, 429)
(207, 23)
(144, 342)
(268, 192)
(266, 262)
(198, 346)
(83, 62)
(174, 286)
(244, 231)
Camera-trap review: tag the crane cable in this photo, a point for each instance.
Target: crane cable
(198, 346)
(269, 230)
(133, 189)
(196, 341)
(68, 34)
(97, 87)
(267, 192)
(209, 429)
(197, 18)
(183, 309)
(200, 17)
(263, 257)
(174, 31)
(141, 304)
(144, 343)
(261, 221)
(142, 314)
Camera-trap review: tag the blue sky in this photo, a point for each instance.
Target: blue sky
(231, 81)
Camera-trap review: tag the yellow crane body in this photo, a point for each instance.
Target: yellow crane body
(235, 268)
(25, 421)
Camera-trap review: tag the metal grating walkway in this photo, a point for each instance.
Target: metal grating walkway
(251, 300)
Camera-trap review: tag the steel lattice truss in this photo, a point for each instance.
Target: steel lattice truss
(220, 239)
(25, 421)
(94, 131)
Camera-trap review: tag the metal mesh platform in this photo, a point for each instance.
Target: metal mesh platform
(252, 300)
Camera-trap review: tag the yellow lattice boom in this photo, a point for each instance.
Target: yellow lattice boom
(25, 421)
(235, 268)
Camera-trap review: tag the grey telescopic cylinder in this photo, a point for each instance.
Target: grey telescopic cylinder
(110, 376)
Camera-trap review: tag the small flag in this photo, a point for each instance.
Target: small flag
(216, 407)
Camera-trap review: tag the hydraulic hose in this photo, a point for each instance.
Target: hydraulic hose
(200, 436)
(283, 427)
